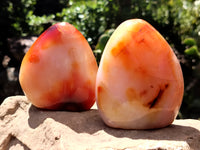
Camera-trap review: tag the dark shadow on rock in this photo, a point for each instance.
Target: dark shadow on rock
(86, 121)
(90, 122)
(16, 143)
(172, 132)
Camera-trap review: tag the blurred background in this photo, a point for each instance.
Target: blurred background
(22, 21)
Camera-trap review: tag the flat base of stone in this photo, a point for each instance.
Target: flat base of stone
(25, 127)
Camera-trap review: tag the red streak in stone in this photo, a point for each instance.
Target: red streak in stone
(63, 95)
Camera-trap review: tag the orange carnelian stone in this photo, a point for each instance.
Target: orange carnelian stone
(139, 82)
(59, 70)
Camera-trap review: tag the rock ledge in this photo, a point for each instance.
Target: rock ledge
(24, 127)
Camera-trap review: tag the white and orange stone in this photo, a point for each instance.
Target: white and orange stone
(139, 82)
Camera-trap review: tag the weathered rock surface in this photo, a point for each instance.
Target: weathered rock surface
(24, 127)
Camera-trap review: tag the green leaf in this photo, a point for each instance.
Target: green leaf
(189, 41)
(192, 51)
(103, 40)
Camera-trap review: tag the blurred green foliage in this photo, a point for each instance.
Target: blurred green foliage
(92, 18)
(103, 39)
(177, 20)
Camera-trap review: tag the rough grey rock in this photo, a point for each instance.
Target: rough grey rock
(25, 127)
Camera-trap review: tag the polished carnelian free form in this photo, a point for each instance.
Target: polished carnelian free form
(139, 82)
(59, 70)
